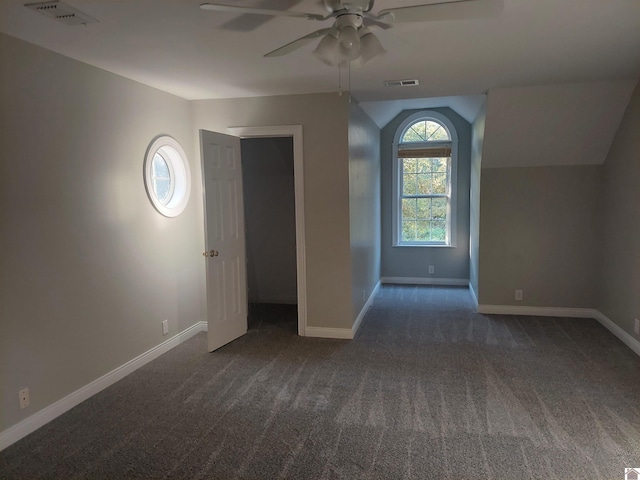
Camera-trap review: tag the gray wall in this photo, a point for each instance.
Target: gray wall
(89, 269)
(540, 200)
(270, 224)
(477, 142)
(619, 294)
(414, 261)
(324, 119)
(538, 233)
(364, 205)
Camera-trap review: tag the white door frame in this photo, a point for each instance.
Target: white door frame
(295, 132)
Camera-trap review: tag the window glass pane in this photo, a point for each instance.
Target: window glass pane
(424, 184)
(425, 131)
(408, 230)
(409, 165)
(162, 188)
(423, 231)
(424, 219)
(409, 208)
(432, 178)
(409, 184)
(161, 178)
(439, 184)
(423, 208)
(435, 132)
(439, 164)
(424, 165)
(160, 167)
(416, 132)
(438, 231)
(438, 208)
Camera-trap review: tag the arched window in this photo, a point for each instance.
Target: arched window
(425, 174)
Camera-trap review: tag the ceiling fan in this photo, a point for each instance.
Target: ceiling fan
(350, 40)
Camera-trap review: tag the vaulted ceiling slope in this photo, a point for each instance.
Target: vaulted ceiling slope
(179, 48)
(554, 125)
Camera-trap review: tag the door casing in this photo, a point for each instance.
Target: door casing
(295, 132)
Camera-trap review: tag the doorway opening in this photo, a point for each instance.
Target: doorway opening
(270, 232)
(288, 137)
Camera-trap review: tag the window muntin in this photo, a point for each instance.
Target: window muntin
(167, 176)
(163, 181)
(425, 161)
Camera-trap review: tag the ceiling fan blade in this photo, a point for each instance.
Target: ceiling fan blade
(248, 22)
(296, 44)
(220, 7)
(371, 20)
(445, 10)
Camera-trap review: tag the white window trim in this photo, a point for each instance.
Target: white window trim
(453, 204)
(172, 153)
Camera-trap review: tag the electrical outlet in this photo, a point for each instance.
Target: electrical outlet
(519, 295)
(636, 326)
(25, 401)
(432, 269)
(165, 327)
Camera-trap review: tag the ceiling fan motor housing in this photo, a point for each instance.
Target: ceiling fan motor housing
(349, 20)
(360, 6)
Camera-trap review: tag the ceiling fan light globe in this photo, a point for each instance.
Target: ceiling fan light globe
(349, 54)
(370, 47)
(328, 50)
(349, 38)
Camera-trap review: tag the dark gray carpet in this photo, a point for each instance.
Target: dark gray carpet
(428, 390)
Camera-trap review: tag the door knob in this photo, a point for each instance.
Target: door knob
(210, 253)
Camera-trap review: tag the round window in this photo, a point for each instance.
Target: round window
(167, 176)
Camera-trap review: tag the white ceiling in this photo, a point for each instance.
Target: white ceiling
(176, 47)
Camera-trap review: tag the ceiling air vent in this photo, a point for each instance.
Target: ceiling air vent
(61, 12)
(402, 83)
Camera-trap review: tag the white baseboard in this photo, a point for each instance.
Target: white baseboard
(452, 282)
(322, 332)
(627, 339)
(365, 308)
(44, 416)
(537, 311)
(344, 333)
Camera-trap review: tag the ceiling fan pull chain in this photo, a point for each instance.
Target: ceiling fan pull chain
(349, 80)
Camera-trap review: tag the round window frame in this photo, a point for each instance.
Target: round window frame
(176, 158)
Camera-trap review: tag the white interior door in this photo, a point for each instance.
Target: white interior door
(224, 238)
